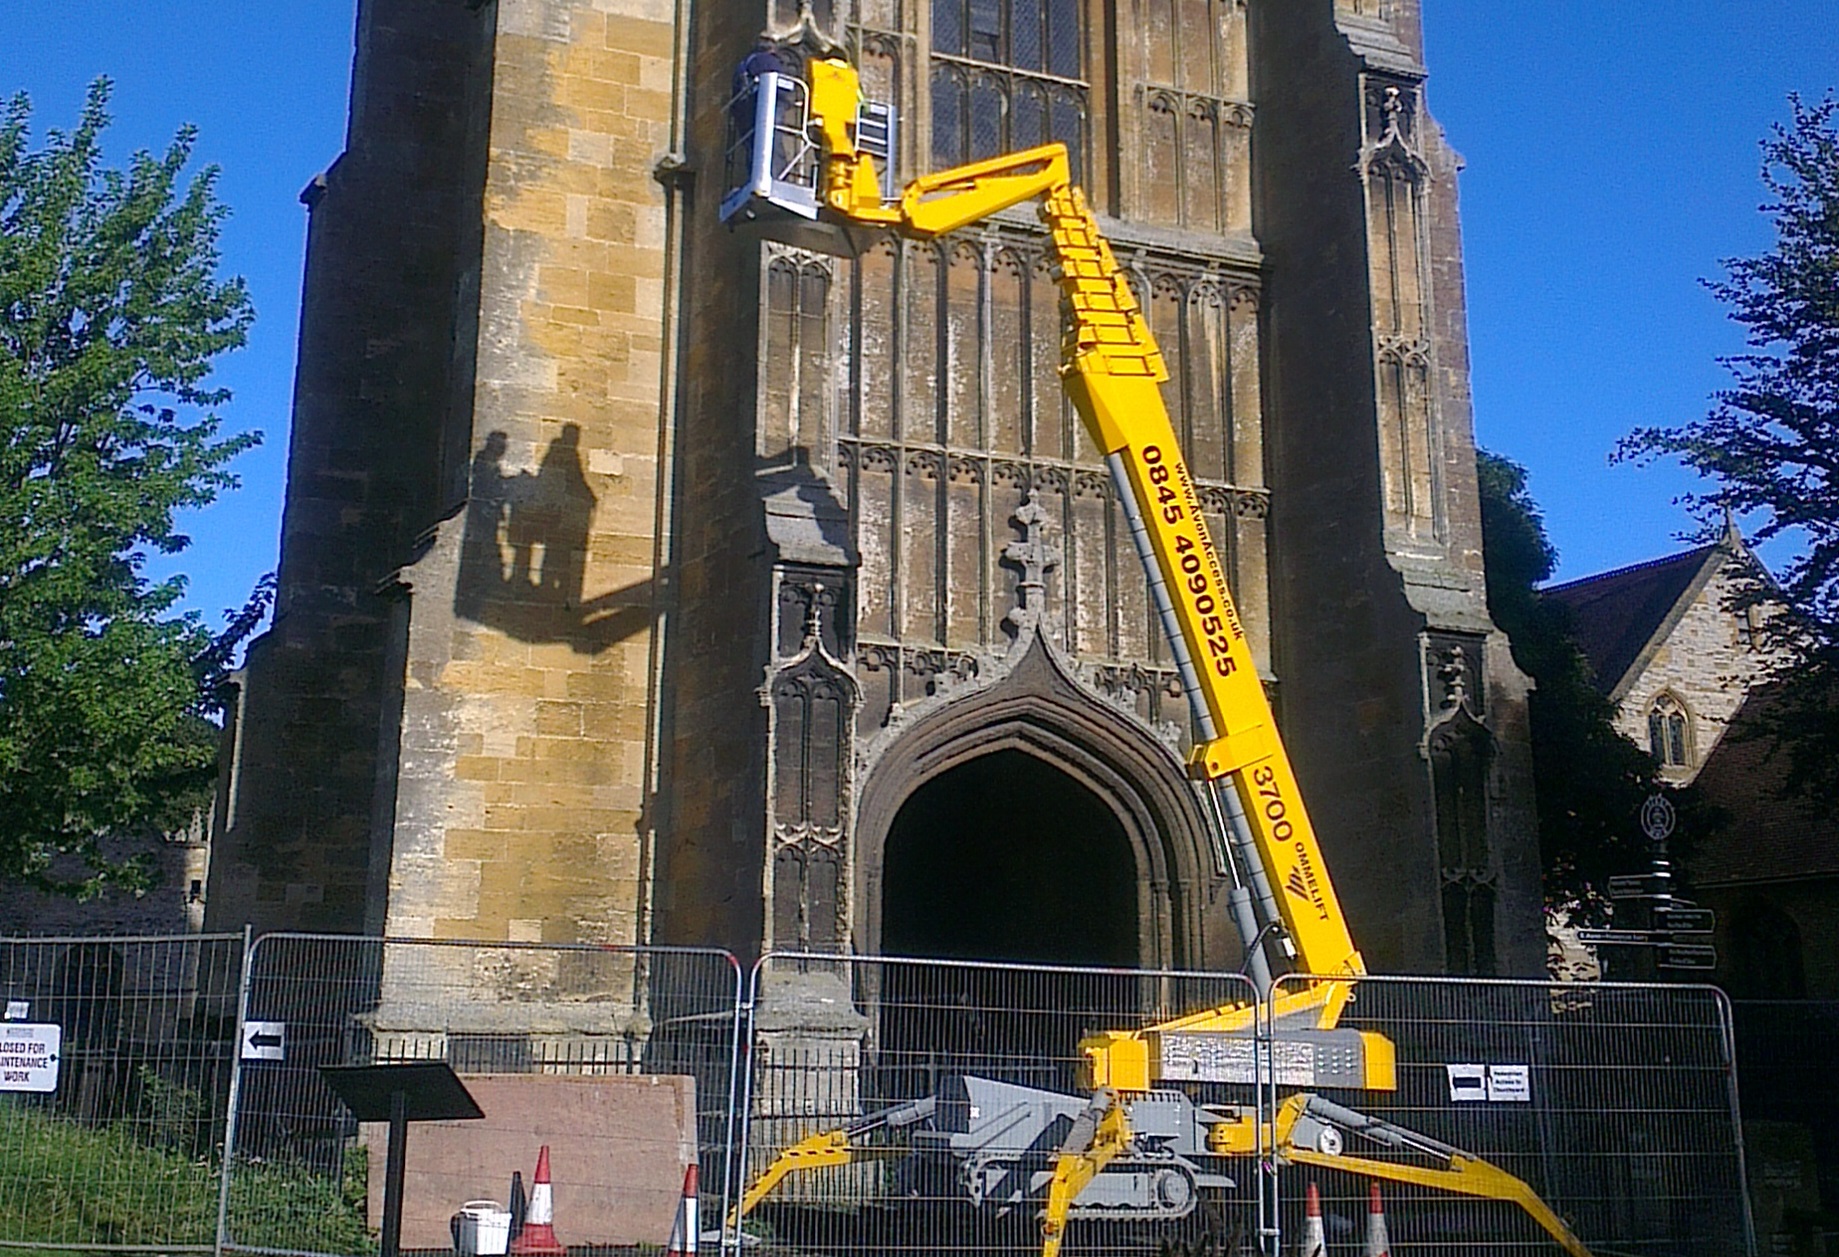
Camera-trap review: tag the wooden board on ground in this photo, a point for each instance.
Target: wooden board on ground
(618, 1146)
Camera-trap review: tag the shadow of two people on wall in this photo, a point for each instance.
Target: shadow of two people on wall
(523, 555)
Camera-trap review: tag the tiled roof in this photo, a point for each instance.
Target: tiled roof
(1766, 837)
(1615, 615)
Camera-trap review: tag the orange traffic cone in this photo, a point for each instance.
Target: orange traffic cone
(684, 1230)
(538, 1238)
(1378, 1243)
(1315, 1243)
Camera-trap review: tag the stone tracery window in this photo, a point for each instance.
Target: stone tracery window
(796, 375)
(1669, 732)
(1006, 75)
(955, 412)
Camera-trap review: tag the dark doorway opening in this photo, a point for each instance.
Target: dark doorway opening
(1008, 858)
(1004, 858)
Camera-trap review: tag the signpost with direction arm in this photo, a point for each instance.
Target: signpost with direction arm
(1675, 931)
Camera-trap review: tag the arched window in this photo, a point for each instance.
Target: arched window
(1748, 620)
(1006, 75)
(797, 372)
(1669, 732)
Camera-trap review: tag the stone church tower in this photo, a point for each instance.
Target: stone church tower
(647, 581)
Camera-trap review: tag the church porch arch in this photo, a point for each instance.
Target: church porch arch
(1036, 713)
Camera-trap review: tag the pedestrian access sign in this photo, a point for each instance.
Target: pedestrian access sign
(29, 1054)
(265, 1040)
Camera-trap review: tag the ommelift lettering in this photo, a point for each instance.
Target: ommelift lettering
(1306, 867)
(1302, 881)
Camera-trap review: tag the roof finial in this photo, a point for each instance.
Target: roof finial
(1733, 536)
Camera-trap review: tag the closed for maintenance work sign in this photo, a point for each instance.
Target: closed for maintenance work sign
(29, 1056)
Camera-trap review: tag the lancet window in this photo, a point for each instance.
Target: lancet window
(1669, 732)
(1007, 75)
(796, 371)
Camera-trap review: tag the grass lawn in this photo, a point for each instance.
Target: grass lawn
(63, 1183)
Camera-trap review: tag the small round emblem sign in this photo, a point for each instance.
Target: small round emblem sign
(1657, 817)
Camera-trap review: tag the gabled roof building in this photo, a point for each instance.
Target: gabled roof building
(1670, 643)
(1667, 643)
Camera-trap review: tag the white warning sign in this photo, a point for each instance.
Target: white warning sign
(1499, 1084)
(265, 1040)
(29, 1056)
(1468, 1082)
(1511, 1084)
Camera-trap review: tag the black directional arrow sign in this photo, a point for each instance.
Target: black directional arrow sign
(1688, 956)
(265, 1040)
(1689, 920)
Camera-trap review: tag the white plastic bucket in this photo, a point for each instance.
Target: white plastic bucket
(485, 1229)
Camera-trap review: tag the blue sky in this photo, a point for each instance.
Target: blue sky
(266, 82)
(1612, 161)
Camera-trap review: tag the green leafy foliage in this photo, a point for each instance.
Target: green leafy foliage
(64, 1183)
(111, 315)
(1770, 445)
(1590, 780)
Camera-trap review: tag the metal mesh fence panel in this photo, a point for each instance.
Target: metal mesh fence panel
(115, 1063)
(954, 1086)
(1614, 1105)
(620, 1059)
(1791, 1120)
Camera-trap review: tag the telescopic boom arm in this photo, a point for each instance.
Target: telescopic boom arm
(1113, 371)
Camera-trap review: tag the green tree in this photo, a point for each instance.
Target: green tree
(1590, 780)
(1770, 445)
(111, 314)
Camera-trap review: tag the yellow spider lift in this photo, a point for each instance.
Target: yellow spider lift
(806, 153)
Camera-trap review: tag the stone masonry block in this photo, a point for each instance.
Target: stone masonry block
(645, 38)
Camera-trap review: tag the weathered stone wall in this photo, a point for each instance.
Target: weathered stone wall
(591, 599)
(1703, 661)
(391, 240)
(521, 806)
(711, 818)
(172, 903)
(1375, 532)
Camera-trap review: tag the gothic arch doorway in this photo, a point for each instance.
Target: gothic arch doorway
(1062, 790)
(1020, 816)
(1006, 857)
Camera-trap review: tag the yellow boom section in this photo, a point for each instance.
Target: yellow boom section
(1460, 1173)
(1113, 373)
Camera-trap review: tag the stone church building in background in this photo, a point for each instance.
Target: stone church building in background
(644, 581)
